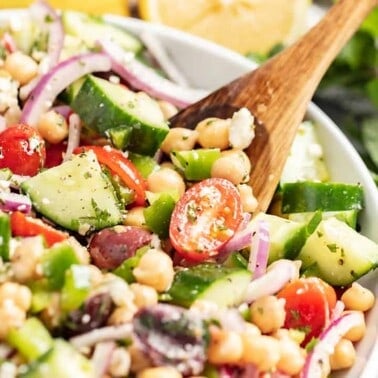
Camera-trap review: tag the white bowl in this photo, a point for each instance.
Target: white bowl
(209, 66)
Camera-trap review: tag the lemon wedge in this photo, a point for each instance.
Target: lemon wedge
(92, 7)
(242, 25)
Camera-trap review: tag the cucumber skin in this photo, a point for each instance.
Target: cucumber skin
(337, 253)
(201, 281)
(309, 196)
(101, 114)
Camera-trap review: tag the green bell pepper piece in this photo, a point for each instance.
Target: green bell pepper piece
(55, 262)
(125, 270)
(143, 163)
(195, 164)
(158, 215)
(76, 287)
(31, 340)
(5, 236)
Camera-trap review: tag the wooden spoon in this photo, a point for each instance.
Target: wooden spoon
(278, 92)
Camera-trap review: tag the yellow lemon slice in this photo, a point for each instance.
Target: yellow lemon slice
(90, 6)
(242, 25)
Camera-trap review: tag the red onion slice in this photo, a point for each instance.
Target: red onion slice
(147, 80)
(15, 202)
(101, 357)
(160, 55)
(259, 251)
(328, 339)
(74, 128)
(276, 277)
(64, 110)
(8, 43)
(98, 335)
(59, 78)
(46, 16)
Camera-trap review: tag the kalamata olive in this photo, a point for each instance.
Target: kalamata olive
(173, 336)
(93, 314)
(111, 246)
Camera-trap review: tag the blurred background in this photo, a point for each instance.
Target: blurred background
(259, 29)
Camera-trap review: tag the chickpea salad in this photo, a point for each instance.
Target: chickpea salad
(129, 249)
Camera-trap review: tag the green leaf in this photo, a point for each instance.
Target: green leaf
(371, 23)
(372, 90)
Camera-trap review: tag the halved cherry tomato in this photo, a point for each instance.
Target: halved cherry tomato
(22, 150)
(205, 218)
(23, 225)
(308, 304)
(116, 161)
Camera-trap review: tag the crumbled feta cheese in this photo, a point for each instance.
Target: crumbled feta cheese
(242, 129)
(8, 93)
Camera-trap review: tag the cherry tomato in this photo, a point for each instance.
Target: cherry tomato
(54, 154)
(22, 150)
(205, 218)
(118, 163)
(308, 305)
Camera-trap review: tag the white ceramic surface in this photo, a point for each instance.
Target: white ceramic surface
(209, 66)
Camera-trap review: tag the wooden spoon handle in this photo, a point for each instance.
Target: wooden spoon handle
(278, 93)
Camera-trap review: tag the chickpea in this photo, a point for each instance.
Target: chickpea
(20, 295)
(120, 363)
(52, 314)
(292, 334)
(13, 115)
(268, 313)
(262, 351)
(11, 316)
(213, 133)
(248, 200)
(118, 289)
(26, 258)
(251, 330)
(168, 109)
(292, 357)
(144, 295)
(135, 217)
(122, 315)
(226, 347)
(179, 139)
(166, 180)
(233, 165)
(160, 372)
(21, 66)
(155, 269)
(357, 332)
(344, 355)
(53, 127)
(358, 298)
(139, 359)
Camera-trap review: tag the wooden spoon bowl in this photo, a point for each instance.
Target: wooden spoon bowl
(278, 92)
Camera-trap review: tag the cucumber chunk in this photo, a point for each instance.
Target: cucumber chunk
(105, 106)
(347, 216)
(337, 253)
(215, 283)
(61, 361)
(307, 196)
(75, 195)
(286, 237)
(90, 29)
